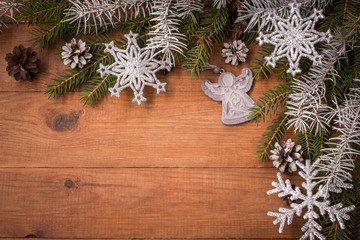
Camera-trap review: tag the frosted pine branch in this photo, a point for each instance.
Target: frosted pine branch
(259, 10)
(306, 104)
(187, 8)
(313, 196)
(338, 161)
(7, 9)
(101, 12)
(165, 36)
(220, 3)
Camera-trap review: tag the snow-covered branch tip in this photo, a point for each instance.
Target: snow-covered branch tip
(220, 3)
(338, 161)
(259, 10)
(165, 36)
(307, 103)
(101, 13)
(315, 195)
(7, 9)
(187, 8)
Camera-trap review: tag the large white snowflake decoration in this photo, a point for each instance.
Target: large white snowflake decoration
(134, 67)
(310, 199)
(294, 37)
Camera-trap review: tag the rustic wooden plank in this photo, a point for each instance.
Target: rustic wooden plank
(51, 66)
(177, 129)
(139, 203)
(31, 236)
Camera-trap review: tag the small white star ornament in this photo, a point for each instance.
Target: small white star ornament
(134, 67)
(294, 37)
(231, 91)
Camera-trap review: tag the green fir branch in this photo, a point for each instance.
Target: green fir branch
(212, 30)
(270, 101)
(189, 27)
(41, 11)
(259, 64)
(249, 37)
(44, 35)
(96, 88)
(310, 144)
(141, 25)
(343, 13)
(273, 134)
(72, 78)
(92, 86)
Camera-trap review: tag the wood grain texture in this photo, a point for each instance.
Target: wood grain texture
(179, 128)
(138, 203)
(175, 129)
(166, 170)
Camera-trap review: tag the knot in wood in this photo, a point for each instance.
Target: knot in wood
(69, 183)
(65, 122)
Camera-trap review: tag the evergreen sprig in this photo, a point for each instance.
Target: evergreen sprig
(47, 34)
(311, 144)
(70, 79)
(259, 64)
(91, 85)
(96, 88)
(42, 12)
(270, 101)
(273, 134)
(263, 71)
(212, 29)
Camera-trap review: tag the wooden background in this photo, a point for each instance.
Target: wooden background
(168, 169)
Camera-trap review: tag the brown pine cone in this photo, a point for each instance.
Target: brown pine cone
(22, 63)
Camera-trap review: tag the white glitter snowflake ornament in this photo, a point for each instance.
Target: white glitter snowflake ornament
(314, 195)
(294, 37)
(134, 67)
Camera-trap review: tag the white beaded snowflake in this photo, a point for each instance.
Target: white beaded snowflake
(134, 67)
(311, 198)
(294, 37)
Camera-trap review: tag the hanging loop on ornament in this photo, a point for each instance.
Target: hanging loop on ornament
(216, 69)
(208, 66)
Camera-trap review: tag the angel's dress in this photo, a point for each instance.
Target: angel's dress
(232, 91)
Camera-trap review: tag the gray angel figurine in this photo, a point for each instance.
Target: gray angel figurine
(232, 91)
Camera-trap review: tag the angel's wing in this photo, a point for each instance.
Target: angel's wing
(245, 80)
(212, 90)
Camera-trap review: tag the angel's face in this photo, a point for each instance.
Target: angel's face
(227, 79)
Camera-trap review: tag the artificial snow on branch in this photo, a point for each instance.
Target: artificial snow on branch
(165, 37)
(259, 10)
(220, 3)
(306, 104)
(187, 8)
(7, 9)
(101, 12)
(314, 195)
(338, 161)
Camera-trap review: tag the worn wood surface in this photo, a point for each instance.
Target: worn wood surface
(168, 169)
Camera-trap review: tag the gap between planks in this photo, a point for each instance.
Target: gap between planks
(139, 203)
